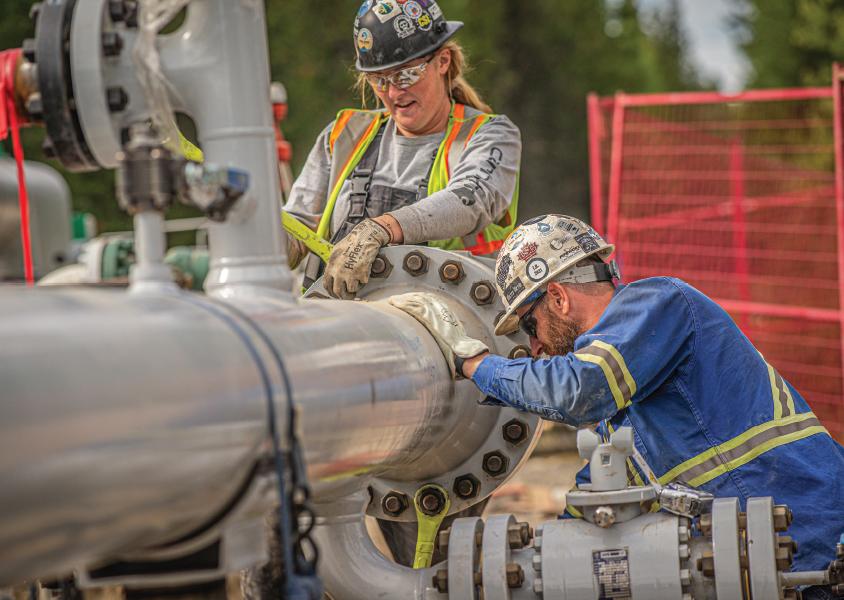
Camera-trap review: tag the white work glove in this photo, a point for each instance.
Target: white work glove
(446, 328)
(296, 251)
(351, 259)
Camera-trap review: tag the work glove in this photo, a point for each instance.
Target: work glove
(296, 251)
(351, 259)
(446, 328)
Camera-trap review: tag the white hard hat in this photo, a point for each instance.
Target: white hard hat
(540, 250)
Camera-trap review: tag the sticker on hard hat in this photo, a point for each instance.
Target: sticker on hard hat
(513, 290)
(386, 10)
(424, 22)
(570, 227)
(570, 252)
(587, 243)
(364, 40)
(537, 269)
(504, 265)
(435, 11)
(404, 26)
(528, 252)
(544, 228)
(364, 8)
(413, 10)
(558, 243)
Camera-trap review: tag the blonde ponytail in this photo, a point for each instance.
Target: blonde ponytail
(459, 89)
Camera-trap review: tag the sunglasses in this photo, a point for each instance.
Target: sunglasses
(402, 79)
(527, 321)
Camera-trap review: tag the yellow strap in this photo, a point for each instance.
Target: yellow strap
(299, 230)
(190, 151)
(428, 527)
(307, 236)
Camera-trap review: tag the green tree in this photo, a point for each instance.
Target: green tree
(790, 42)
(534, 61)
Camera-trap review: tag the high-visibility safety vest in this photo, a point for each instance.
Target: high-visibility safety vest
(353, 132)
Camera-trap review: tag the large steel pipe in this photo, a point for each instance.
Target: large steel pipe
(127, 420)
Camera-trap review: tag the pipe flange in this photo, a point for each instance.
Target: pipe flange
(465, 464)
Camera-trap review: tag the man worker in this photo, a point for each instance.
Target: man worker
(656, 355)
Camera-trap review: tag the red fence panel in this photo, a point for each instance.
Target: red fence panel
(739, 196)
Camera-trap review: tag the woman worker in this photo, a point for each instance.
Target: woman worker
(432, 166)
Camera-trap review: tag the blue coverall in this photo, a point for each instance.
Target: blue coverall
(706, 408)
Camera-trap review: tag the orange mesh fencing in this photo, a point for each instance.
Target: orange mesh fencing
(740, 197)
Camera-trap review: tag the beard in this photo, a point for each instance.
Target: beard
(562, 332)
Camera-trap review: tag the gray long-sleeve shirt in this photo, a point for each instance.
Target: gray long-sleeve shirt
(479, 192)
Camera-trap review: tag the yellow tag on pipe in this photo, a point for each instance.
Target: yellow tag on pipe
(428, 525)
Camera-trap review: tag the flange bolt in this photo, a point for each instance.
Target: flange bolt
(451, 271)
(466, 486)
(482, 293)
(515, 431)
(381, 267)
(495, 463)
(394, 503)
(117, 99)
(431, 501)
(415, 263)
(112, 43)
(515, 575)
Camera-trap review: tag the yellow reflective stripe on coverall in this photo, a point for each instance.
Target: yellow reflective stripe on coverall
(743, 448)
(621, 382)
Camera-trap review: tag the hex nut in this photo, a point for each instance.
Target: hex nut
(519, 351)
(415, 263)
(467, 486)
(381, 267)
(706, 564)
(112, 43)
(706, 524)
(395, 503)
(482, 293)
(440, 581)
(604, 516)
(515, 431)
(28, 46)
(443, 538)
(34, 106)
(515, 575)
(117, 99)
(519, 535)
(782, 517)
(452, 271)
(431, 501)
(495, 463)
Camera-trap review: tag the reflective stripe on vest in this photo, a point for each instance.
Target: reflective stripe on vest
(354, 131)
(743, 448)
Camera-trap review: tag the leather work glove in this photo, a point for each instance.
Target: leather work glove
(296, 251)
(446, 328)
(351, 260)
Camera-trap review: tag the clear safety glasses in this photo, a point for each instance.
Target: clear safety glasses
(402, 79)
